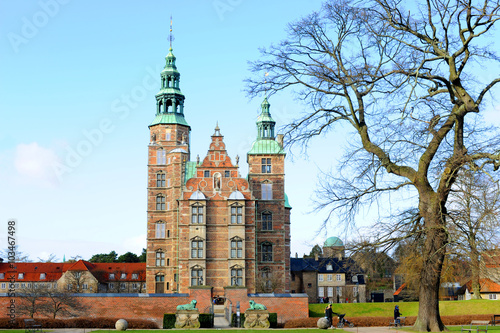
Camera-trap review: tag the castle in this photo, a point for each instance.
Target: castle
(206, 225)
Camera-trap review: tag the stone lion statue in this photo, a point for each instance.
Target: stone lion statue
(256, 306)
(189, 306)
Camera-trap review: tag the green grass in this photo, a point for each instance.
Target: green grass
(302, 330)
(447, 308)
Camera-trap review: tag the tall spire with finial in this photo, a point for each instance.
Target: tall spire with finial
(171, 35)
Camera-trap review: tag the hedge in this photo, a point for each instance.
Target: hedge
(80, 323)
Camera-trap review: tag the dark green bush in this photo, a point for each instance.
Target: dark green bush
(168, 320)
(273, 319)
(233, 319)
(206, 320)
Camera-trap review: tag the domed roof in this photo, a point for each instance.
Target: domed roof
(198, 195)
(236, 195)
(333, 241)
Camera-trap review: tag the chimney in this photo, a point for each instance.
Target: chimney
(279, 139)
(316, 256)
(296, 255)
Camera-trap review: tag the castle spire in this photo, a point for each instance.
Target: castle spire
(265, 123)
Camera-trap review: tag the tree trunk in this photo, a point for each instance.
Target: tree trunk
(475, 275)
(429, 319)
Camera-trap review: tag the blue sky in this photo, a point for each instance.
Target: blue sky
(77, 85)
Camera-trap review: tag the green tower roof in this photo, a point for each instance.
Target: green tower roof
(266, 146)
(265, 143)
(333, 241)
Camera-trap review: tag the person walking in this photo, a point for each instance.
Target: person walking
(329, 314)
(397, 314)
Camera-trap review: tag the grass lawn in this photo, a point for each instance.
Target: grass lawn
(446, 308)
(302, 330)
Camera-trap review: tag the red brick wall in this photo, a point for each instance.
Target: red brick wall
(153, 308)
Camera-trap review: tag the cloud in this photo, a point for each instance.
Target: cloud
(35, 163)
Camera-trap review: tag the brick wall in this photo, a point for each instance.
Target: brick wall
(154, 306)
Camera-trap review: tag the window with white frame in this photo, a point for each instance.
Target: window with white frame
(236, 215)
(339, 277)
(321, 292)
(160, 258)
(236, 276)
(329, 267)
(20, 276)
(135, 276)
(160, 202)
(329, 277)
(3, 285)
(160, 230)
(160, 179)
(236, 248)
(161, 156)
(123, 276)
(330, 291)
(197, 248)
(267, 191)
(42, 276)
(493, 296)
(111, 276)
(320, 278)
(2, 275)
(197, 214)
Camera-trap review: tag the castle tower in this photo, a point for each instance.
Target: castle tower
(266, 176)
(168, 153)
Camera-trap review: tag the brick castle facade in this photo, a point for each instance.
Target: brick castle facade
(207, 225)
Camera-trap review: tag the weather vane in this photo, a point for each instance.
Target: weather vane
(171, 36)
(266, 74)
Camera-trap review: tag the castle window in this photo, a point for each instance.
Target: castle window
(161, 156)
(160, 179)
(236, 276)
(160, 258)
(196, 214)
(266, 165)
(267, 221)
(111, 276)
(160, 230)
(42, 276)
(236, 215)
(267, 191)
(160, 202)
(206, 173)
(227, 173)
(236, 248)
(196, 276)
(123, 276)
(197, 248)
(267, 251)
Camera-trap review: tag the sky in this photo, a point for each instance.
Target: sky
(77, 86)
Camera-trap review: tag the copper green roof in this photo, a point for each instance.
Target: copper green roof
(169, 118)
(266, 146)
(287, 204)
(333, 241)
(190, 171)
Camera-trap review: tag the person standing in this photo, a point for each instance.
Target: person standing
(329, 314)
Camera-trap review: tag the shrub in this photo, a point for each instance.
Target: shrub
(169, 320)
(273, 319)
(80, 323)
(206, 320)
(233, 319)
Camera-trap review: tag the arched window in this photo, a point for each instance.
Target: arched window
(267, 251)
(267, 221)
(160, 258)
(160, 202)
(160, 179)
(197, 248)
(160, 229)
(197, 276)
(236, 248)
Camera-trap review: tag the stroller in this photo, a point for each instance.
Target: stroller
(342, 321)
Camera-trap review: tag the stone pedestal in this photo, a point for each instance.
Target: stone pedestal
(187, 319)
(256, 319)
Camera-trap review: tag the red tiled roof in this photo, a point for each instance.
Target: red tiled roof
(54, 271)
(487, 286)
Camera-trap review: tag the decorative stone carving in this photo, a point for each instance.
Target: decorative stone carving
(121, 325)
(187, 319)
(256, 306)
(189, 306)
(256, 319)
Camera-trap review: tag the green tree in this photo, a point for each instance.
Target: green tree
(128, 257)
(316, 250)
(404, 81)
(102, 257)
(142, 257)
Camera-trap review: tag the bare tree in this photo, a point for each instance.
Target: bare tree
(62, 303)
(403, 80)
(31, 299)
(474, 210)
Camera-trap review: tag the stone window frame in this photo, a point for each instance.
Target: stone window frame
(266, 256)
(160, 227)
(196, 279)
(235, 249)
(236, 214)
(266, 188)
(236, 280)
(160, 258)
(161, 156)
(199, 251)
(266, 165)
(159, 203)
(267, 224)
(198, 205)
(161, 179)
